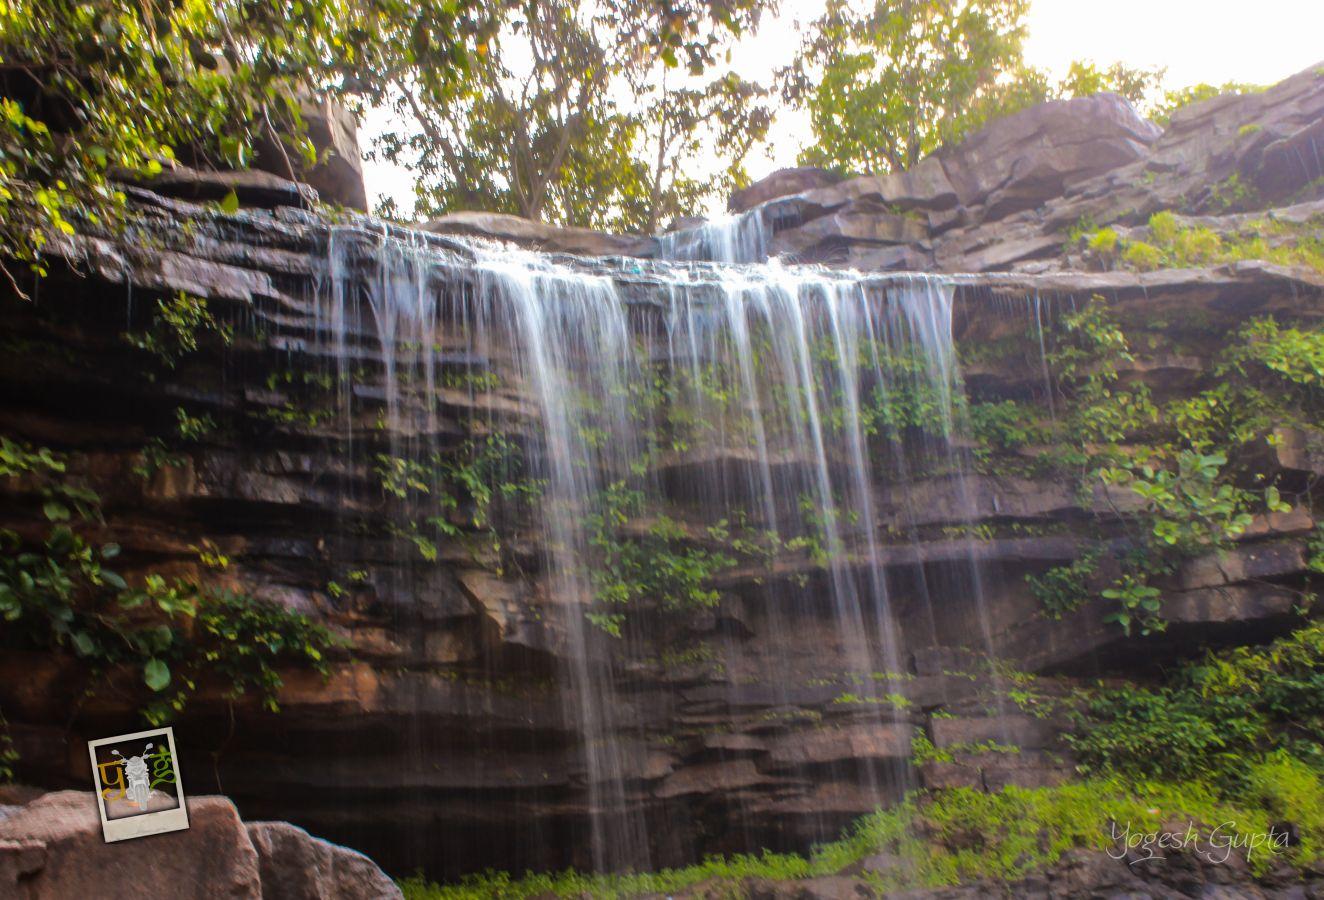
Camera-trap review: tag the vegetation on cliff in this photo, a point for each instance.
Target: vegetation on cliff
(1229, 747)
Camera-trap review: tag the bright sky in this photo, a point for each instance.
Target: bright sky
(1212, 41)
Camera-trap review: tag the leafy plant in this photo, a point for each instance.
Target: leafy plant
(1213, 716)
(1063, 589)
(659, 565)
(61, 593)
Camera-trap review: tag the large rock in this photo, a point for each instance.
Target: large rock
(294, 865)
(535, 235)
(252, 187)
(781, 183)
(53, 848)
(1023, 160)
(338, 174)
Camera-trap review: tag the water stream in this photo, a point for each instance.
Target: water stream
(724, 417)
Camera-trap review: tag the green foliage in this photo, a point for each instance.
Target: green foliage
(1142, 257)
(1181, 460)
(457, 494)
(1062, 589)
(898, 82)
(570, 115)
(93, 89)
(1214, 717)
(656, 564)
(887, 84)
(60, 593)
(964, 835)
(176, 325)
(1176, 246)
(1005, 425)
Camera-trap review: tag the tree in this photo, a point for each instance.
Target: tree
(1137, 86)
(92, 92)
(573, 117)
(727, 117)
(887, 85)
(125, 87)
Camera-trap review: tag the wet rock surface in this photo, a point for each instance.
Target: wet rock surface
(446, 713)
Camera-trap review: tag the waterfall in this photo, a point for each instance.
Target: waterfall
(718, 413)
(740, 238)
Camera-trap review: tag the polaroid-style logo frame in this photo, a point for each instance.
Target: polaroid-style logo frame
(146, 823)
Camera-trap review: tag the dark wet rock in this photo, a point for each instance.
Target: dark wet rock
(833, 743)
(252, 187)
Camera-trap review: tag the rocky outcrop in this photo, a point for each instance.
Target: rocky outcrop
(741, 716)
(442, 736)
(536, 235)
(294, 865)
(51, 848)
(795, 180)
(1006, 196)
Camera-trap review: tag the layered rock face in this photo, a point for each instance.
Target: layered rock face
(476, 720)
(1006, 198)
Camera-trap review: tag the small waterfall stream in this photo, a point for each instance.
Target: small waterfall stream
(734, 415)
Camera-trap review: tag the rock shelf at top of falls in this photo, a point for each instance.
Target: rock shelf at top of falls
(810, 423)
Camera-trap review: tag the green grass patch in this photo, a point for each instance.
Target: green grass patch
(963, 835)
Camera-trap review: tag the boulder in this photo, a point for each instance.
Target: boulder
(53, 848)
(781, 183)
(535, 235)
(1023, 160)
(294, 865)
(338, 175)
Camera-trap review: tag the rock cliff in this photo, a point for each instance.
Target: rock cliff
(442, 736)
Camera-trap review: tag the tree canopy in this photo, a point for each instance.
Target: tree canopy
(887, 83)
(617, 115)
(572, 115)
(91, 90)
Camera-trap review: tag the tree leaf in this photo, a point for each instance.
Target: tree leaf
(230, 204)
(83, 643)
(156, 674)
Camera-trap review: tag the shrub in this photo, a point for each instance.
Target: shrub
(1142, 257)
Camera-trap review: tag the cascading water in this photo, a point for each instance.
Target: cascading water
(740, 238)
(723, 417)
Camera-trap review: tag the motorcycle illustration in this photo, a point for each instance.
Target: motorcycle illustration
(135, 771)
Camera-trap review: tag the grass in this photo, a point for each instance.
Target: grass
(1173, 246)
(962, 835)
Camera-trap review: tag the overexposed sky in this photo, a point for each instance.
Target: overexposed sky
(1211, 41)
